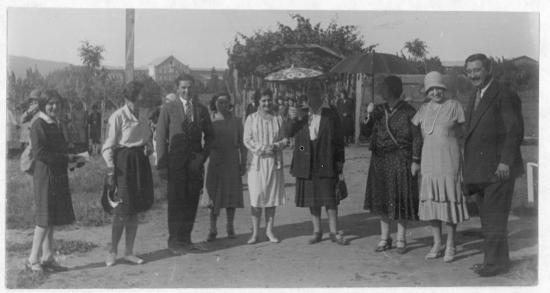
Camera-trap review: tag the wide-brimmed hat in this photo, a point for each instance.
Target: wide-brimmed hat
(433, 79)
(35, 94)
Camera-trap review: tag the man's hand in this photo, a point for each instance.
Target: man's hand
(502, 172)
(415, 169)
(163, 173)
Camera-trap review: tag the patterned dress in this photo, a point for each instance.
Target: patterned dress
(223, 179)
(391, 189)
(266, 183)
(441, 195)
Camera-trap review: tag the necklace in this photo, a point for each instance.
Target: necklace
(430, 131)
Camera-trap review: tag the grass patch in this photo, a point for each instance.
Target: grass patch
(86, 186)
(62, 247)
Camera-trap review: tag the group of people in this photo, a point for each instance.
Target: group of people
(405, 144)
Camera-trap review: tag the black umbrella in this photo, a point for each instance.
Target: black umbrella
(374, 63)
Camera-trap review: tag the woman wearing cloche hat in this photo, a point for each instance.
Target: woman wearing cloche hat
(441, 198)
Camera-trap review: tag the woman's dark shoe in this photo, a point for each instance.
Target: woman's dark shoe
(34, 267)
(317, 237)
(231, 233)
(53, 266)
(401, 246)
(337, 238)
(383, 245)
(211, 236)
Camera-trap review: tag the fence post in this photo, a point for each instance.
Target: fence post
(531, 182)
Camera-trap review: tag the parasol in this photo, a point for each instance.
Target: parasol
(374, 63)
(292, 74)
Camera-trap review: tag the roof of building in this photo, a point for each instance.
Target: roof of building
(524, 57)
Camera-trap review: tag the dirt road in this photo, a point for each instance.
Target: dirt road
(291, 263)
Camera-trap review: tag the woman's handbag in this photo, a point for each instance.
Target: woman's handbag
(340, 188)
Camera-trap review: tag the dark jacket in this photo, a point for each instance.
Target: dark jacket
(494, 133)
(184, 141)
(330, 146)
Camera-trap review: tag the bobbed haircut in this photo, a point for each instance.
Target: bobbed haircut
(486, 62)
(47, 96)
(215, 98)
(267, 92)
(394, 85)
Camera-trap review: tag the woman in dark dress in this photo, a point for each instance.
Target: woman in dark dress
(51, 184)
(396, 144)
(317, 161)
(126, 152)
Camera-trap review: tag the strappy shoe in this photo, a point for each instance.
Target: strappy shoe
(53, 266)
(211, 236)
(383, 245)
(34, 267)
(317, 237)
(435, 252)
(134, 259)
(449, 254)
(338, 239)
(401, 246)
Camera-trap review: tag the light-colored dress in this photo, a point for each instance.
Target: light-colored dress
(266, 183)
(441, 196)
(227, 152)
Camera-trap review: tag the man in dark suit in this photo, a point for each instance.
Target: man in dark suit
(492, 159)
(181, 156)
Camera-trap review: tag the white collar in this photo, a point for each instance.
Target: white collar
(484, 89)
(46, 118)
(185, 102)
(128, 111)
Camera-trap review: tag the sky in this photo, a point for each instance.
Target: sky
(200, 38)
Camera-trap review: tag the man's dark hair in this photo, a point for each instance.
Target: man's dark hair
(183, 77)
(486, 62)
(395, 86)
(132, 90)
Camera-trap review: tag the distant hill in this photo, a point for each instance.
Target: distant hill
(19, 65)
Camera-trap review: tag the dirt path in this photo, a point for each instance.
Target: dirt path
(291, 263)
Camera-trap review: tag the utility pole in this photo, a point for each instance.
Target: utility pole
(129, 65)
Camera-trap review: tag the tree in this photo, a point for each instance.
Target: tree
(91, 55)
(418, 49)
(254, 55)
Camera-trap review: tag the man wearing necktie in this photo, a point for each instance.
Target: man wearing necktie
(492, 159)
(181, 156)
